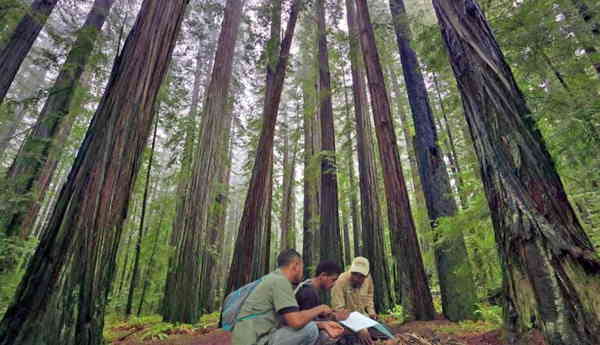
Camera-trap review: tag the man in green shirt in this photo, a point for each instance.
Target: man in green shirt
(270, 315)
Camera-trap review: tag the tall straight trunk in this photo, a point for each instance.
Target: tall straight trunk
(452, 261)
(27, 167)
(286, 186)
(183, 176)
(18, 45)
(89, 214)
(216, 273)
(182, 298)
(551, 272)
(331, 244)
(309, 185)
(211, 241)
(416, 296)
(453, 155)
(150, 267)
(268, 227)
(125, 263)
(256, 198)
(351, 179)
(372, 221)
(138, 246)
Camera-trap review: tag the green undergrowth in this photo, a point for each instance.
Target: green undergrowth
(152, 327)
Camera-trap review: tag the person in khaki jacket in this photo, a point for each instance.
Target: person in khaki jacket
(354, 291)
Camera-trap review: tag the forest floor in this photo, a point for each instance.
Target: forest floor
(150, 331)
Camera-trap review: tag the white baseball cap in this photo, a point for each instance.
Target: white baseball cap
(360, 265)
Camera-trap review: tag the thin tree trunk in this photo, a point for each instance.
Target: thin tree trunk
(372, 221)
(453, 156)
(138, 246)
(258, 187)
(150, 267)
(351, 179)
(125, 263)
(18, 45)
(8, 131)
(550, 268)
(26, 170)
(89, 214)
(331, 244)
(416, 296)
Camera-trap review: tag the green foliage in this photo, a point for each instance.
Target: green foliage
(489, 313)
(14, 253)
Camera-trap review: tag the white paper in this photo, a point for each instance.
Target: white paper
(357, 321)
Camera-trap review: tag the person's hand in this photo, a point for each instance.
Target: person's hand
(373, 316)
(324, 310)
(341, 314)
(365, 337)
(333, 329)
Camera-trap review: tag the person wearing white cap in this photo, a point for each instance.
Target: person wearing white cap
(354, 291)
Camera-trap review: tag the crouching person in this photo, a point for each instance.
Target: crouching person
(271, 316)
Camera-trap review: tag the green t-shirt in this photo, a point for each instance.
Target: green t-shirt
(271, 296)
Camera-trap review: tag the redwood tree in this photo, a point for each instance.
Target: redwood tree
(18, 45)
(331, 244)
(372, 225)
(26, 170)
(416, 296)
(87, 220)
(181, 301)
(258, 188)
(550, 268)
(452, 260)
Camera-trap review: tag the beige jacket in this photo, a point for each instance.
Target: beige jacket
(343, 296)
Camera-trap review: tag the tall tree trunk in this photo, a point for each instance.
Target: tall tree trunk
(18, 45)
(138, 246)
(211, 241)
(125, 263)
(183, 176)
(256, 197)
(27, 167)
(286, 186)
(88, 217)
(351, 179)
(416, 296)
(372, 221)
(452, 261)
(182, 298)
(550, 268)
(331, 244)
(453, 156)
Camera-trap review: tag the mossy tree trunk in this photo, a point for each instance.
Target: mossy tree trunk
(452, 260)
(550, 269)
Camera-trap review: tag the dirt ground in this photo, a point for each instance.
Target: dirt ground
(438, 332)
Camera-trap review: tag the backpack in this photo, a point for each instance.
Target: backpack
(233, 304)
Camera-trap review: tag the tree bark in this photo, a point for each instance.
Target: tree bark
(331, 244)
(89, 214)
(26, 170)
(18, 45)
(182, 299)
(551, 272)
(452, 261)
(416, 296)
(150, 267)
(256, 197)
(138, 246)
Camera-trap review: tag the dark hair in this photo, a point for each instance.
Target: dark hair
(328, 267)
(286, 257)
